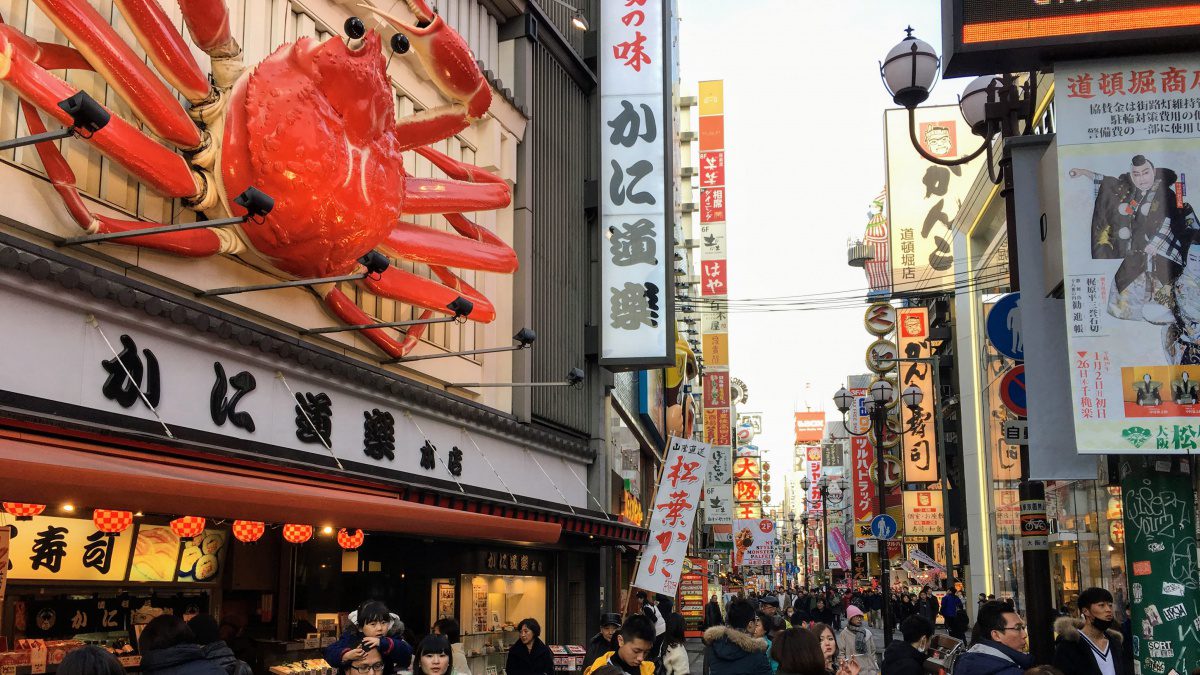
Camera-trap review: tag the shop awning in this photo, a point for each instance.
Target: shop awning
(37, 469)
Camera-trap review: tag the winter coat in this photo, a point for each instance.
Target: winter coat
(598, 646)
(992, 658)
(1074, 656)
(220, 653)
(185, 659)
(866, 659)
(394, 651)
(712, 615)
(901, 658)
(733, 652)
(675, 660)
(951, 606)
(646, 668)
(458, 659)
(522, 660)
(924, 609)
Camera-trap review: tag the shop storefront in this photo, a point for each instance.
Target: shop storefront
(189, 461)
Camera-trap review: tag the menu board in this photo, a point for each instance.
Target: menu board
(693, 590)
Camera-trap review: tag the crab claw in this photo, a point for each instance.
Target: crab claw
(445, 55)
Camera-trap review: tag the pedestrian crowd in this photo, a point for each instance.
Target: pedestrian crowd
(792, 631)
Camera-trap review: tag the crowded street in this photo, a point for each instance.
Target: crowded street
(599, 337)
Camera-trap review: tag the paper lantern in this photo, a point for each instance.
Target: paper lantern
(187, 527)
(111, 522)
(297, 534)
(24, 511)
(350, 540)
(248, 530)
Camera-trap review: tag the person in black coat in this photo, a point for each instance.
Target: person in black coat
(606, 640)
(207, 633)
(712, 613)
(169, 647)
(907, 655)
(529, 655)
(1082, 643)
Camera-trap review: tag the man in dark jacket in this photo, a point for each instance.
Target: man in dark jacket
(907, 656)
(606, 640)
(997, 644)
(731, 650)
(712, 613)
(1089, 645)
(207, 633)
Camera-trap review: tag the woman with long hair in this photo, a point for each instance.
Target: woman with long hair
(674, 654)
(827, 641)
(798, 652)
(433, 656)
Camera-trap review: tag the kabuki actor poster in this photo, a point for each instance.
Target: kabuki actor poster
(670, 518)
(1128, 141)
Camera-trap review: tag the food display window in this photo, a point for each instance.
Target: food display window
(491, 606)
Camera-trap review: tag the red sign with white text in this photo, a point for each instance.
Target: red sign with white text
(712, 277)
(712, 168)
(716, 389)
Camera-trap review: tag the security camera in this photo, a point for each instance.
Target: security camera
(526, 337)
(575, 377)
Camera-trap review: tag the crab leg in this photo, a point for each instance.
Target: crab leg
(208, 24)
(411, 289)
(193, 243)
(164, 44)
(482, 250)
(350, 313)
(156, 166)
(451, 65)
(45, 54)
(123, 70)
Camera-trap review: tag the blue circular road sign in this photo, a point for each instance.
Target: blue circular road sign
(883, 527)
(1004, 327)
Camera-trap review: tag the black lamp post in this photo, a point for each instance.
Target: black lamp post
(882, 393)
(823, 485)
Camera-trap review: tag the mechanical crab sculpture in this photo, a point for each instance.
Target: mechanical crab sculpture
(313, 126)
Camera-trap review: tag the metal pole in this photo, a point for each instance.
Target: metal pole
(943, 469)
(825, 533)
(878, 420)
(804, 552)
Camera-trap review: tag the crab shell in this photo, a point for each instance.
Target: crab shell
(315, 121)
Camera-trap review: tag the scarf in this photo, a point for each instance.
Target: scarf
(861, 635)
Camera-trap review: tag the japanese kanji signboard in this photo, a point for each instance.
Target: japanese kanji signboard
(923, 197)
(718, 428)
(670, 518)
(69, 549)
(862, 458)
(636, 202)
(1128, 140)
(920, 436)
(923, 512)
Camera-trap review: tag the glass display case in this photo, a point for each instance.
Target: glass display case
(488, 651)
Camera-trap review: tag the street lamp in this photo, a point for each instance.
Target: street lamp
(992, 104)
(823, 486)
(882, 394)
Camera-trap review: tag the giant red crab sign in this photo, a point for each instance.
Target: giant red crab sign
(313, 126)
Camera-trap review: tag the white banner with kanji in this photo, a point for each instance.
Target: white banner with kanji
(670, 518)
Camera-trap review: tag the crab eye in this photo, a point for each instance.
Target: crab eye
(355, 28)
(400, 43)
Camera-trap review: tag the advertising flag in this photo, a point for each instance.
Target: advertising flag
(753, 542)
(680, 490)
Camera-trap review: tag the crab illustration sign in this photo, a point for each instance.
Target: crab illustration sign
(285, 144)
(680, 492)
(635, 289)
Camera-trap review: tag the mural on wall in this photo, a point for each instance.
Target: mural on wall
(303, 148)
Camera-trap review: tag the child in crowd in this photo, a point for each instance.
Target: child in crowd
(371, 625)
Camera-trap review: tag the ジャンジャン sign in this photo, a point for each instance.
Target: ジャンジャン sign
(636, 283)
(1128, 142)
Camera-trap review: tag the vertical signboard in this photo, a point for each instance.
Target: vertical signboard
(923, 515)
(813, 467)
(920, 438)
(1127, 144)
(636, 193)
(693, 593)
(753, 542)
(923, 197)
(862, 456)
(671, 516)
(879, 267)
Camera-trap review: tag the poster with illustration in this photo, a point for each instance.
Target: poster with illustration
(753, 542)
(1128, 139)
(155, 553)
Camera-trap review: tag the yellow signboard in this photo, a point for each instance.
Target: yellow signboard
(712, 97)
(70, 549)
(923, 514)
(716, 349)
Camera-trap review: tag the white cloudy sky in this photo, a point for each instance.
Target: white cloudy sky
(804, 150)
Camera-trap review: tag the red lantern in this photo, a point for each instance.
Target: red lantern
(350, 540)
(24, 511)
(187, 527)
(248, 530)
(297, 534)
(111, 522)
